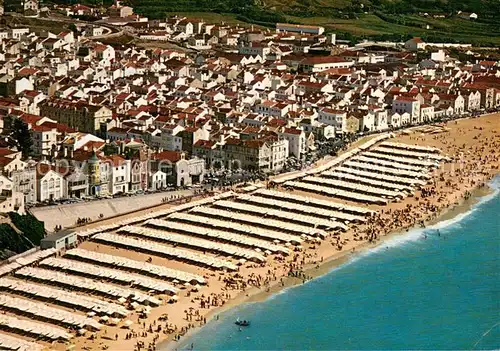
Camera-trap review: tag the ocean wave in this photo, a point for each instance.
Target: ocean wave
(417, 234)
(413, 236)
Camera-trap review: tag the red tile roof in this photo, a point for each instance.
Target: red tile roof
(172, 156)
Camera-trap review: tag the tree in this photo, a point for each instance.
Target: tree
(74, 29)
(21, 137)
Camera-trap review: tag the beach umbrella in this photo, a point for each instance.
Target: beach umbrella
(268, 252)
(122, 300)
(276, 241)
(104, 318)
(128, 322)
(176, 281)
(91, 314)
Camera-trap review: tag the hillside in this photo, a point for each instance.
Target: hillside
(19, 233)
(350, 19)
(488, 9)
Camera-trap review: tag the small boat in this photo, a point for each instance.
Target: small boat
(243, 323)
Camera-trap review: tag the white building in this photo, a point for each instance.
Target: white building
(426, 113)
(322, 63)
(255, 49)
(415, 44)
(157, 180)
(335, 118)
(50, 183)
(298, 28)
(381, 122)
(119, 175)
(44, 140)
(438, 56)
(61, 240)
(278, 154)
(409, 105)
(10, 200)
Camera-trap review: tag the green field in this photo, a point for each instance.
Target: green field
(371, 26)
(350, 19)
(449, 29)
(211, 17)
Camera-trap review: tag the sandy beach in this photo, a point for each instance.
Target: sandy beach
(472, 146)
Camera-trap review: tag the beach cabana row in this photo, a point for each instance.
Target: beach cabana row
(8, 342)
(330, 216)
(235, 227)
(387, 170)
(354, 187)
(367, 181)
(257, 221)
(32, 328)
(400, 160)
(389, 163)
(124, 263)
(164, 251)
(332, 163)
(408, 154)
(64, 298)
(47, 313)
(9, 268)
(100, 229)
(91, 270)
(198, 244)
(325, 190)
(347, 155)
(26, 260)
(218, 234)
(85, 284)
(36, 256)
(310, 222)
(311, 201)
(410, 182)
(250, 188)
(427, 149)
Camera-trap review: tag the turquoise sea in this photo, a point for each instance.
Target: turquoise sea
(433, 289)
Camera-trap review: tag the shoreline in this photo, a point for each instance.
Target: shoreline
(451, 189)
(337, 260)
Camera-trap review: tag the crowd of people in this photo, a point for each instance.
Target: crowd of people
(470, 165)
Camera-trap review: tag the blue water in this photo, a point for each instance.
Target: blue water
(439, 293)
